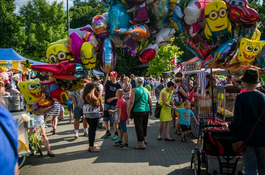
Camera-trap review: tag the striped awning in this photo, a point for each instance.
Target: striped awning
(14, 66)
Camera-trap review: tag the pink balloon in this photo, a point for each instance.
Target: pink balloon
(74, 44)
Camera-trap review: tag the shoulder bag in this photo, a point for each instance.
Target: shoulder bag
(241, 146)
(158, 108)
(131, 112)
(93, 98)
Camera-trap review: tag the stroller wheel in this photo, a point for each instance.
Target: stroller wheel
(197, 162)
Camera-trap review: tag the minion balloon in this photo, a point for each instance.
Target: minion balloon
(58, 53)
(218, 26)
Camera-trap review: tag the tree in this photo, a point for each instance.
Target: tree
(11, 33)
(160, 63)
(43, 23)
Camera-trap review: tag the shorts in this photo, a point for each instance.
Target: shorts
(71, 107)
(122, 126)
(185, 128)
(108, 116)
(61, 108)
(78, 112)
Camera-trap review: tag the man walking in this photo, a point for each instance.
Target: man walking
(132, 81)
(110, 104)
(78, 112)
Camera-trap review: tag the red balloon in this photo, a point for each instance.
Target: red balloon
(147, 55)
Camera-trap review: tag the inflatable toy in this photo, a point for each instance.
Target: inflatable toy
(160, 10)
(107, 56)
(54, 91)
(58, 53)
(164, 35)
(74, 43)
(71, 85)
(141, 14)
(138, 32)
(92, 39)
(82, 30)
(192, 12)
(42, 107)
(100, 26)
(88, 57)
(149, 52)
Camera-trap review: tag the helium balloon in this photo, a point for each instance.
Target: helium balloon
(118, 17)
(194, 29)
(218, 27)
(71, 85)
(92, 39)
(160, 10)
(241, 13)
(131, 46)
(141, 14)
(106, 16)
(31, 91)
(192, 12)
(100, 26)
(82, 30)
(149, 52)
(249, 49)
(260, 59)
(164, 35)
(88, 57)
(63, 70)
(174, 18)
(138, 32)
(107, 56)
(111, 2)
(74, 43)
(58, 53)
(42, 107)
(54, 91)
(239, 68)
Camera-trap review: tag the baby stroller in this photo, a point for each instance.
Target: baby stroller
(214, 152)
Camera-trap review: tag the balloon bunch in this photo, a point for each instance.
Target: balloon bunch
(40, 95)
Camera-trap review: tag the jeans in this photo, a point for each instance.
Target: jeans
(254, 159)
(93, 124)
(107, 115)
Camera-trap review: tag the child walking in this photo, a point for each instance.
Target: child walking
(122, 120)
(184, 120)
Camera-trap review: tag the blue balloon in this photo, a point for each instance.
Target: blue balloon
(225, 51)
(118, 18)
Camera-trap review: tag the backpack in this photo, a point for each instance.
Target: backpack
(93, 97)
(176, 97)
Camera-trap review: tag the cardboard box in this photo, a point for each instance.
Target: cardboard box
(202, 110)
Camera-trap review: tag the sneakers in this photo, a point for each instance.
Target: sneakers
(115, 137)
(118, 143)
(172, 125)
(178, 133)
(85, 134)
(76, 135)
(124, 147)
(105, 135)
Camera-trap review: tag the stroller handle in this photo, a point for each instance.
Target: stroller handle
(216, 126)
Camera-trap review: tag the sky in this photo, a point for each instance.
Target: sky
(19, 3)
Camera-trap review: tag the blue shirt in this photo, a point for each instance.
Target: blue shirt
(133, 83)
(185, 116)
(8, 142)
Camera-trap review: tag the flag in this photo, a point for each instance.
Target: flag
(174, 60)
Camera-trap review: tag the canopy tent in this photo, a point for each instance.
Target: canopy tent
(11, 60)
(96, 72)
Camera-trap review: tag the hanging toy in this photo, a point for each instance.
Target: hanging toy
(74, 43)
(88, 57)
(107, 56)
(138, 32)
(100, 26)
(58, 53)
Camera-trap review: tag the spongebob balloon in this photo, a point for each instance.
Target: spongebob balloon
(249, 49)
(88, 56)
(218, 26)
(57, 53)
(31, 91)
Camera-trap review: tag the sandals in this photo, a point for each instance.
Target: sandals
(54, 131)
(93, 150)
(139, 148)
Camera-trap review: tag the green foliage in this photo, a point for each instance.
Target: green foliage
(11, 34)
(260, 9)
(159, 64)
(187, 54)
(43, 24)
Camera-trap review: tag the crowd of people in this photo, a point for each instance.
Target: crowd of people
(131, 98)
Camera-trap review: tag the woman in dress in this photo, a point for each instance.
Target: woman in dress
(92, 113)
(141, 106)
(165, 116)
(127, 88)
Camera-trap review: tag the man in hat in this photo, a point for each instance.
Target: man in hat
(110, 104)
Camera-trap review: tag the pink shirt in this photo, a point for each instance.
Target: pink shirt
(122, 104)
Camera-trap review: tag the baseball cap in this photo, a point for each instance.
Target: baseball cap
(114, 73)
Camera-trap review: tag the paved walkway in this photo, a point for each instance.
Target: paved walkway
(72, 156)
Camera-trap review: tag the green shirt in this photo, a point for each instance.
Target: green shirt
(142, 105)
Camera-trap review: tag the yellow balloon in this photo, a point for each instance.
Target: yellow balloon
(31, 90)
(88, 56)
(57, 53)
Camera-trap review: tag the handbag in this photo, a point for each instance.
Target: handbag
(158, 108)
(241, 146)
(131, 112)
(93, 98)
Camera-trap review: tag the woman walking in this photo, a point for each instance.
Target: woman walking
(127, 88)
(249, 107)
(165, 115)
(92, 113)
(141, 106)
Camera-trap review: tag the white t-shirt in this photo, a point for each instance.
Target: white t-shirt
(157, 83)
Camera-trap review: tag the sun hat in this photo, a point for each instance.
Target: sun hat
(114, 73)
(251, 76)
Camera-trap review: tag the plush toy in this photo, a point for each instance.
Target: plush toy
(107, 56)
(63, 70)
(149, 52)
(82, 30)
(164, 35)
(58, 53)
(54, 91)
(74, 43)
(138, 32)
(92, 39)
(118, 17)
(141, 14)
(31, 91)
(100, 26)
(241, 13)
(218, 27)
(88, 57)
